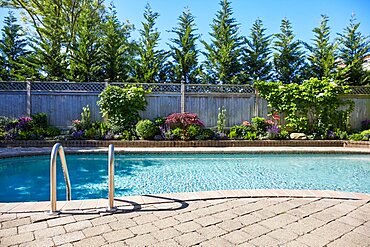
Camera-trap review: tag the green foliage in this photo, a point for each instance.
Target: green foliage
(116, 49)
(193, 131)
(146, 129)
(242, 132)
(352, 51)
(312, 107)
(356, 137)
(256, 54)
(148, 66)
(121, 106)
(206, 134)
(13, 50)
(288, 56)
(322, 53)
(178, 134)
(221, 119)
(260, 124)
(86, 117)
(224, 52)
(40, 120)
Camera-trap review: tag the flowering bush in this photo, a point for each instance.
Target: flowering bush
(182, 120)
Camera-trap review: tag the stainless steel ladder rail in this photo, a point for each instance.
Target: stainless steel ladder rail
(111, 178)
(58, 148)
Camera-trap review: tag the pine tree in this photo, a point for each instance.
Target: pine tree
(322, 56)
(224, 52)
(148, 66)
(256, 54)
(116, 48)
(85, 58)
(352, 51)
(289, 57)
(13, 50)
(184, 51)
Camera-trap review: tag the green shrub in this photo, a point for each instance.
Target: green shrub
(178, 134)
(86, 118)
(91, 133)
(250, 136)
(356, 137)
(40, 120)
(239, 131)
(193, 131)
(127, 135)
(284, 135)
(121, 106)
(207, 134)
(52, 131)
(146, 129)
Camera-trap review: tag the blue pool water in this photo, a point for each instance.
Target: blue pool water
(27, 178)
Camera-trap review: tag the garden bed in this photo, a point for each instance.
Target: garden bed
(208, 143)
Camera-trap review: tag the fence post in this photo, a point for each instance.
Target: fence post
(256, 103)
(182, 97)
(29, 103)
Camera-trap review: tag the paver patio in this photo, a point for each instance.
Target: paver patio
(223, 218)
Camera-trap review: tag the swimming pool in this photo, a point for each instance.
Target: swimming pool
(27, 178)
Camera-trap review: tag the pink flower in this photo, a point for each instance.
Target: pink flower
(246, 123)
(76, 121)
(269, 122)
(276, 116)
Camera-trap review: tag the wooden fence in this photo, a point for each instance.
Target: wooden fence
(63, 101)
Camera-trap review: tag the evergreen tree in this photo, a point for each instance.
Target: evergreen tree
(224, 52)
(352, 51)
(13, 50)
(256, 54)
(184, 51)
(289, 57)
(148, 66)
(322, 56)
(116, 49)
(85, 58)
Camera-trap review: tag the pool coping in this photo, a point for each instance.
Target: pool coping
(92, 206)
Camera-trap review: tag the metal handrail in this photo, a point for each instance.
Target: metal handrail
(58, 148)
(111, 177)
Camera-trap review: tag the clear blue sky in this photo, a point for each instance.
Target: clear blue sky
(303, 14)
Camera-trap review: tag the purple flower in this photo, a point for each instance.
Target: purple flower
(273, 130)
(330, 134)
(78, 134)
(24, 123)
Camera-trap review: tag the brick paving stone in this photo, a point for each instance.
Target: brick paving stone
(61, 221)
(90, 242)
(219, 242)
(184, 217)
(7, 217)
(341, 242)
(165, 214)
(187, 227)
(357, 238)
(351, 221)
(8, 232)
(365, 230)
(312, 240)
(144, 228)
(17, 239)
(278, 221)
(211, 231)
(115, 236)
(237, 237)
(248, 219)
(168, 243)
(332, 230)
(32, 227)
(283, 235)
(96, 230)
(295, 243)
(66, 245)
(122, 224)
(207, 221)
(49, 232)
(165, 223)
(145, 218)
(360, 215)
(189, 239)
(230, 225)
(15, 222)
(263, 214)
(265, 240)
(256, 230)
(77, 226)
(141, 240)
(116, 244)
(217, 208)
(225, 215)
(103, 220)
(165, 234)
(46, 242)
(68, 238)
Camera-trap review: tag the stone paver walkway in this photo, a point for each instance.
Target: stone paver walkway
(192, 219)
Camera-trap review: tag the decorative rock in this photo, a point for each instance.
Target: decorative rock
(298, 136)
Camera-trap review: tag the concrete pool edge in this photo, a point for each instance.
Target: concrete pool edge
(93, 205)
(33, 151)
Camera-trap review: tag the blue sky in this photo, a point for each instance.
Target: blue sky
(303, 14)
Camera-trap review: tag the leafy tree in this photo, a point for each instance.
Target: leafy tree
(289, 57)
(352, 51)
(148, 66)
(256, 54)
(184, 51)
(224, 52)
(116, 49)
(85, 53)
(323, 53)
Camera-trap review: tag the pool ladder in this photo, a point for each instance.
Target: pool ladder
(58, 149)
